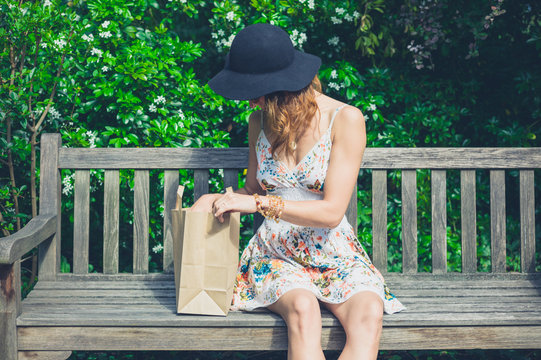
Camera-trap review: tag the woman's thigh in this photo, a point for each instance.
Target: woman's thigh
(297, 303)
(365, 307)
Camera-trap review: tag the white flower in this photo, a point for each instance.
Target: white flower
(348, 17)
(181, 114)
(214, 35)
(220, 108)
(302, 38)
(43, 45)
(157, 249)
(334, 85)
(334, 75)
(104, 69)
(88, 38)
(311, 4)
(47, 3)
(77, 18)
(159, 100)
(340, 11)
(356, 14)
(152, 108)
(106, 34)
(229, 41)
(295, 33)
(60, 43)
(105, 24)
(230, 16)
(67, 184)
(183, 1)
(333, 41)
(221, 32)
(336, 20)
(96, 52)
(54, 113)
(372, 107)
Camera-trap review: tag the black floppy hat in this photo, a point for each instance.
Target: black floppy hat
(262, 60)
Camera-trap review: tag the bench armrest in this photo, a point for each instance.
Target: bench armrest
(39, 229)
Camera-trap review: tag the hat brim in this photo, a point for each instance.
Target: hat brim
(244, 86)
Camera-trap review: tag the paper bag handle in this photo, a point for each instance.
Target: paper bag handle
(180, 192)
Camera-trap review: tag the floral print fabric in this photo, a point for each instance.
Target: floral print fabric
(281, 256)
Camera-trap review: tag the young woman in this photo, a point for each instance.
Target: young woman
(305, 153)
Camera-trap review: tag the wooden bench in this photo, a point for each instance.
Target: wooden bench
(135, 311)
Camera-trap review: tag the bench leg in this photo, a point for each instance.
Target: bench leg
(10, 293)
(44, 355)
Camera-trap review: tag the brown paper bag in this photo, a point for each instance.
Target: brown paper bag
(206, 254)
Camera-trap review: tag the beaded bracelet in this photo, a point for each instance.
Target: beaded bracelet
(275, 208)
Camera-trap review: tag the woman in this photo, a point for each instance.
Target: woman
(305, 153)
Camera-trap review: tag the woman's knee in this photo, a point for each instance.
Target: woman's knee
(367, 317)
(303, 312)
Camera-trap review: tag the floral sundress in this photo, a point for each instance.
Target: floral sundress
(282, 256)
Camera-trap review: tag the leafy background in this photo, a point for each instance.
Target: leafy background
(112, 73)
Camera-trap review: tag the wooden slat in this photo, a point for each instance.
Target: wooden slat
(231, 178)
(497, 220)
(409, 221)
(170, 186)
(237, 158)
(50, 203)
(527, 221)
(351, 211)
(379, 219)
(439, 221)
(10, 308)
(111, 211)
(81, 221)
(468, 219)
(201, 183)
(140, 221)
(248, 338)
(44, 355)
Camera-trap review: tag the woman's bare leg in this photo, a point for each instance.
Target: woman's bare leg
(361, 317)
(300, 310)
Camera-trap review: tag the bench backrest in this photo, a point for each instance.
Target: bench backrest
(380, 161)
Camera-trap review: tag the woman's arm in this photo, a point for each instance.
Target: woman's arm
(349, 142)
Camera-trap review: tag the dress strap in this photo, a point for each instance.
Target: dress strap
(334, 115)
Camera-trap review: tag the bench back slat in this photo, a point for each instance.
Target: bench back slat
(170, 186)
(111, 212)
(439, 221)
(527, 221)
(200, 183)
(141, 221)
(409, 221)
(379, 219)
(351, 211)
(497, 221)
(468, 216)
(81, 218)
(231, 178)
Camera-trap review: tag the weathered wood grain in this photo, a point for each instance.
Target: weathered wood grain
(81, 221)
(111, 213)
(468, 220)
(268, 338)
(237, 158)
(231, 178)
(10, 308)
(39, 229)
(140, 221)
(50, 203)
(527, 221)
(439, 221)
(351, 211)
(170, 186)
(200, 183)
(409, 221)
(497, 221)
(379, 219)
(44, 355)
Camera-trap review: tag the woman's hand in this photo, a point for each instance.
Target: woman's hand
(231, 202)
(205, 202)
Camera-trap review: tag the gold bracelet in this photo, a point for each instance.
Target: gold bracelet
(275, 208)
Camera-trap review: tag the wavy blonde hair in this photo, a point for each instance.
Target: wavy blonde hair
(288, 114)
